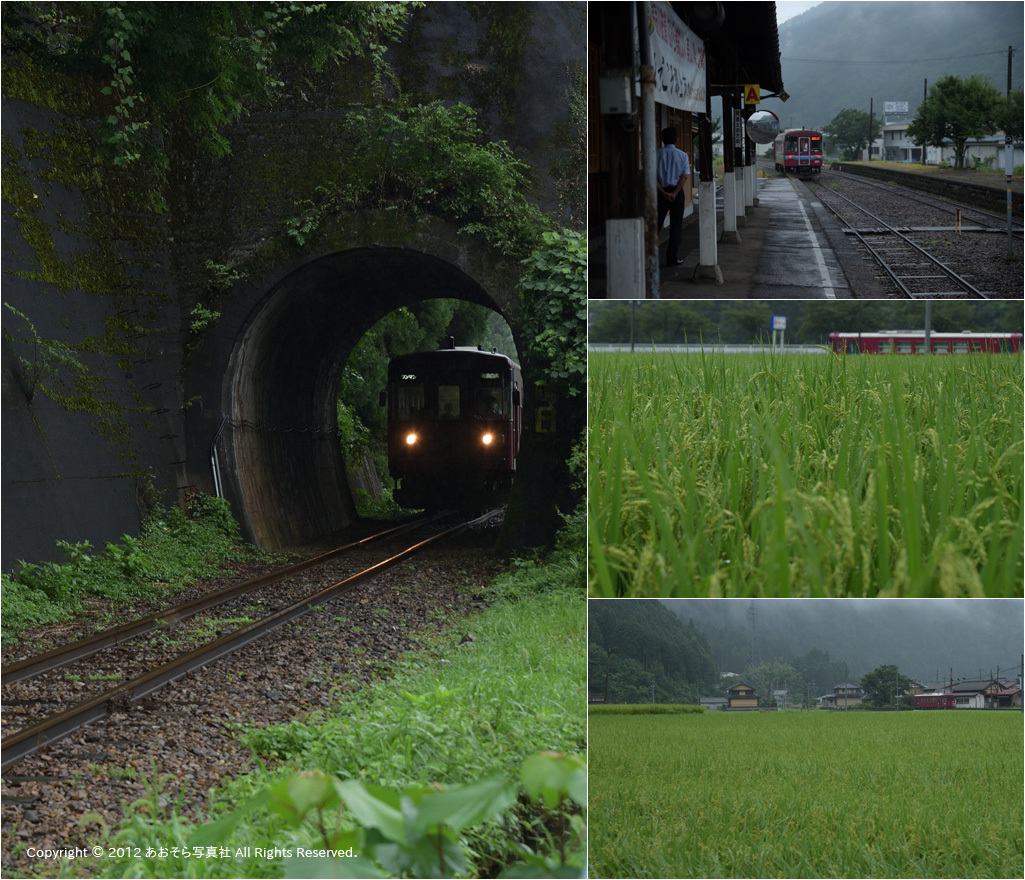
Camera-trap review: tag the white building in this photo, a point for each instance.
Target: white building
(896, 146)
(989, 150)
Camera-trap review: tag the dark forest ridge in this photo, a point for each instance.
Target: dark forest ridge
(839, 55)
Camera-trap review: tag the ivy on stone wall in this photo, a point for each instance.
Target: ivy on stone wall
(427, 159)
(196, 66)
(132, 83)
(555, 303)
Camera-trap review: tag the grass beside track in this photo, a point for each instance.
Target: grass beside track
(805, 475)
(450, 715)
(793, 794)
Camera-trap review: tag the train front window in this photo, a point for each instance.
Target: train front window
(408, 401)
(448, 401)
(493, 395)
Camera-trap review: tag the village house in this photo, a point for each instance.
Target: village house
(714, 703)
(1010, 696)
(843, 697)
(982, 694)
(742, 696)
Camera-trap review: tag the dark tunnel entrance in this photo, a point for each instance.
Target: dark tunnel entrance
(276, 453)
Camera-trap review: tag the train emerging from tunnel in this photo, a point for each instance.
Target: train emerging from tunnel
(454, 421)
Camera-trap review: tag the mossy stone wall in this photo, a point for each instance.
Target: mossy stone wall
(113, 328)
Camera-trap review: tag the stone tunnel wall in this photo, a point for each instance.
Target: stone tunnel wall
(102, 290)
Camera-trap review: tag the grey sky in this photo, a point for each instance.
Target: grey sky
(790, 8)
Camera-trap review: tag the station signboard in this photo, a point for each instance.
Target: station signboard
(678, 56)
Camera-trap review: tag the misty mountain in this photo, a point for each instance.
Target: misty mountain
(635, 643)
(839, 55)
(924, 638)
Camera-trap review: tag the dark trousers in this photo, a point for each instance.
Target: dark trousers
(675, 211)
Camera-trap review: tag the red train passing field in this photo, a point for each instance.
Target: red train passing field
(934, 701)
(913, 342)
(798, 151)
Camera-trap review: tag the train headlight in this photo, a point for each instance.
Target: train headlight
(411, 439)
(487, 439)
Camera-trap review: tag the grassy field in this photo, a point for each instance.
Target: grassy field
(805, 475)
(821, 794)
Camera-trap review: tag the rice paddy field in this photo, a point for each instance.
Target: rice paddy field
(797, 794)
(805, 475)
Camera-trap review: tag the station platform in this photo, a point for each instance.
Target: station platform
(790, 247)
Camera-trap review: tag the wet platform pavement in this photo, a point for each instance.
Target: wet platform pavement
(790, 247)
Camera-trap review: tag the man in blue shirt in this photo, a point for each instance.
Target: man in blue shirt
(673, 168)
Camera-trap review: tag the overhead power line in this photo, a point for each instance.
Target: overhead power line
(888, 60)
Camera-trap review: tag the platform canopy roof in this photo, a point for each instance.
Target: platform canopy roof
(741, 42)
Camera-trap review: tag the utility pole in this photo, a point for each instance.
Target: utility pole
(1009, 159)
(648, 151)
(925, 97)
(752, 622)
(870, 121)
(928, 325)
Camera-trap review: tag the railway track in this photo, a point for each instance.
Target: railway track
(916, 271)
(38, 733)
(984, 221)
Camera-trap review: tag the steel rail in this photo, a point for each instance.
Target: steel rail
(30, 739)
(967, 286)
(923, 198)
(62, 656)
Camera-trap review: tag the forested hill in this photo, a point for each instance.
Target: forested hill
(839, 55)
(648, 643)
(924, 638)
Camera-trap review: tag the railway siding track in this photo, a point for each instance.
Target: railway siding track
(989, 196)
(939, 202)
(34, 736)
(913, 240)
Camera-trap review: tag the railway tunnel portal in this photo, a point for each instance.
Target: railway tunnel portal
(266, 437)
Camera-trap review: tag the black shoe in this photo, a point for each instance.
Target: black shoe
(675, 263)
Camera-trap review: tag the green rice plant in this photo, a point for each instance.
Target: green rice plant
(797, 794)
(805, 475)
(643, 709)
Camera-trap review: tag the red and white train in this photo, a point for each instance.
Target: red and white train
(798, 151)
(913, 342)
(934, 701)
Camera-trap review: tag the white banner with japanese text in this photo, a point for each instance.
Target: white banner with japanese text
(678, 57)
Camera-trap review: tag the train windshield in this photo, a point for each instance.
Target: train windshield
(448, 401)
(493, 395)
(407, 400)
(803, 145)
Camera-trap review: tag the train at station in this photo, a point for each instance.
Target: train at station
(798, 151)
(934, 701)
(913, 342)
(455, 416)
